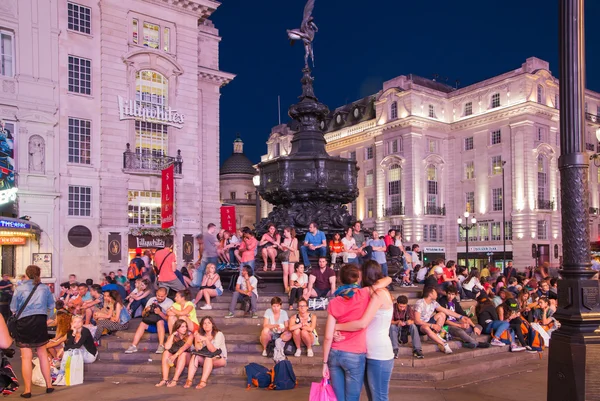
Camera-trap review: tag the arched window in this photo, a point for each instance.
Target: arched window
(432, 189)
(151, 92)
(540, 94)
(542, 190)
(394, 111)
(394, 176)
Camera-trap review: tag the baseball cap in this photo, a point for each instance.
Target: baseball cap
(138, 250)
(512, 304)
(438, 270)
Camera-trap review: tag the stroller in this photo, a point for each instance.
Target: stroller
(396, 261)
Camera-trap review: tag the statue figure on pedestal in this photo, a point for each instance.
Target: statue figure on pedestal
(306, 33)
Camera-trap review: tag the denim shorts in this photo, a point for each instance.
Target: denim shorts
(219, 292)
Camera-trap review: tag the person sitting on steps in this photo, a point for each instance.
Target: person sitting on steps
(303, 328)
(270, 243)
(315, 244)
(321, 282)
(177, 353)
(211, 339)
(403, 325)
(245, 287)
(211, 287)
(183, 309)
(159, 305)
(275, 325)
(299, 281)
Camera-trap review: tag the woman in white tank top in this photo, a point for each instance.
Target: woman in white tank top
(377, 320)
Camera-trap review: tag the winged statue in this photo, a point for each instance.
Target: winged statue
(306, 33)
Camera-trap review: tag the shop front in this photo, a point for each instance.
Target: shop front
(482, 255)
(19, 246)
(147, 242)
(433, 253)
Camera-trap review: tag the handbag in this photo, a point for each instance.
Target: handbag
(205, 353)
(322, 391)
(151, 319)
(283, 256)
(11, 323)
(294, 256)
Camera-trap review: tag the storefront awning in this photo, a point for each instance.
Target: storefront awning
(13, 227)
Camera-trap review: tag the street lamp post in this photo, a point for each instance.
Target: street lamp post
(573, 371)
(467, 226)
(256, 182)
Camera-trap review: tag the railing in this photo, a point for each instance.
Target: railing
(140, 162)
(434, 210)
(592, 118)
(545, 204)
(397, 210)
(242, 201)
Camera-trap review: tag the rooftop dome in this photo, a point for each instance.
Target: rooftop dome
(238, 163)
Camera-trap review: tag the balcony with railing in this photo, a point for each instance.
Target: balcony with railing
(395, 210)
(593, 118)
(148, 163)
(545, 204)
(434, 210)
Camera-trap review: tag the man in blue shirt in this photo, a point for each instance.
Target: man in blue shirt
(315, 244)
(112, 285)
(378, 255)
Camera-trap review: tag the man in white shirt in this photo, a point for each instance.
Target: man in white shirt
(158, 305)
(245, 286)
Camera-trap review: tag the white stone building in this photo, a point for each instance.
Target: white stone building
(82, 83)
(428, 152)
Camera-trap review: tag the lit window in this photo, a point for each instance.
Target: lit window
(433, 233)
(80, 75)
(369, 178)
(508, 231)
(394, 110)
(79, 141)
(497, 199)
(394, 188)
(135, 31)
(80, 201)
(432, 145)
(484, 231)
(496, 137)
(468, 108)
(470, 202)
(431, 111)
(495, 100)
(496, 234)
(542, 229)
(370, 207)
(152, 35)
(432, 187)
(394, 148)
(469, 143)
(496, 165)
(470, 170)
(542, 176)
(79, 18)
(166, 38)
(152, 91)
(353, 208)
(144, 208)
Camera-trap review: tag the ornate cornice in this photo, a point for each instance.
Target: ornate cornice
(215, 76)
(202, 9)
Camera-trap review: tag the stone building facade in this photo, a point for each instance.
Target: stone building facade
(428, 152)
(104, 95)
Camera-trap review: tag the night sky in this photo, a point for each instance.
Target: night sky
(360, 44)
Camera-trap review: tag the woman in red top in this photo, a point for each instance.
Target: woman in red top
(247, 249)
(336, 248)
(344, 361)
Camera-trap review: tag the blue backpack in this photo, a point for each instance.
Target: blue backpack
(258, 375)
(284, 377)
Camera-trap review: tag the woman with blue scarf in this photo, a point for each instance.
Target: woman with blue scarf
(344, 361)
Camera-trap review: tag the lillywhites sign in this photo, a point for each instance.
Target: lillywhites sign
(133, 110)
(148, 241)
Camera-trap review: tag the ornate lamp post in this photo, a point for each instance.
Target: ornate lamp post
(467, 226)
(256, 182)
(573, 370)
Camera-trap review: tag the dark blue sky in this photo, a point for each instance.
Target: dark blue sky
(360, 44)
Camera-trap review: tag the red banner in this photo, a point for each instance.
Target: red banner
(167, 197)
(228, 218)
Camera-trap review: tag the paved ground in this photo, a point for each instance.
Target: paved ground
(533, 380)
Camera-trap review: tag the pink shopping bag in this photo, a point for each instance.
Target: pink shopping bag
(322, 391)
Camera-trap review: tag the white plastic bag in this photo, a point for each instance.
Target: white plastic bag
(318, 303)
(71, 369)
(37, 379)
(542, 333)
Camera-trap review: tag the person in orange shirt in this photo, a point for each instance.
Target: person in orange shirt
(336, 248)
(247, 249)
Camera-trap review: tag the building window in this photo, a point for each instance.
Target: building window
(394, 188)
(432, 187)
(370, 207)
(369, 153)
(470, 202)
(353, 155)
(495, 100)
(484, 231)
(473, 234)
(468, 108)
(541, 135)
(496, 234)
(556, 100)
(496, 165)
(433, 237)
(276, 149)
(80, 201)
(432, 145)
(353, 208)
(426, 233)
(395, 146)
(80, 75)
(470, 170)
(469, 143)
(542, 190)
(152, 91)
(496, 137)
(431, 111)
(542, 229)
(441, 233)
(586, 107)
(394, 111)
(462, 234)
(79, 18)
(508, 231)
(232, 196)
(248, 195)
(369, 178)
(79, 141)
(497, 199)
(152, 35)
(540, 94)
(144, 208)
(7, 67)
